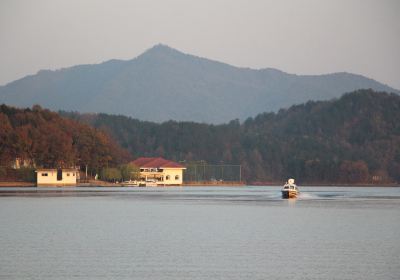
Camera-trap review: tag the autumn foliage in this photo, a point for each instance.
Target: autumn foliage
(44, 138)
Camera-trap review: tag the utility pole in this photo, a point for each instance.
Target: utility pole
(204, 171)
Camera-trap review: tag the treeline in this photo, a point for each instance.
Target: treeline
(354, 139)
(43, 138)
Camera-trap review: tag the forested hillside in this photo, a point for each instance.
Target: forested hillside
(354, 139)
(45, 139)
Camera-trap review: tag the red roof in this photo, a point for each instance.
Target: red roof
(148, 162)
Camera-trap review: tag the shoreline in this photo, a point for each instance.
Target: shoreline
(93, 184)
(17, 184)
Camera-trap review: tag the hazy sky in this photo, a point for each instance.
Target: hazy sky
(302, 37)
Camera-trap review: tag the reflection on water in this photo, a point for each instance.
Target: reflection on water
(227, 194)
(199, 233)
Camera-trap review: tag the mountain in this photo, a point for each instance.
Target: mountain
(354, 139)
(163, 84)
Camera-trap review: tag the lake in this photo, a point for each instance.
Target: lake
(199, 233)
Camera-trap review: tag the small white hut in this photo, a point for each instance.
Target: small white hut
(56, 177)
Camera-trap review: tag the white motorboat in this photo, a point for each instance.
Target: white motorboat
(130, 183)
(290, 189)
(148, 183)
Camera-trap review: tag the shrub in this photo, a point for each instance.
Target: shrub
(110, 174)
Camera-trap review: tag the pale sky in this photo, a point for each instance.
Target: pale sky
(299, 36)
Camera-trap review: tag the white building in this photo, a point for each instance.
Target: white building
(161, 171)
(56, 177)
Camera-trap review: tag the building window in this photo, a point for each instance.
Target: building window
(73, 173)
(45, 174)
(67, 174)
(167, 177)
(176, 177)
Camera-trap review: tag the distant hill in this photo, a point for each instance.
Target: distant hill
(163, 84)
(354, 139)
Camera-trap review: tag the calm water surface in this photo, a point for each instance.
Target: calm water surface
(199, 233)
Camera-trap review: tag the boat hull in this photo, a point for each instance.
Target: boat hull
(289, 194)
(130, 184)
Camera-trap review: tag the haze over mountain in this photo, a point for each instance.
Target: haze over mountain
(163, 84)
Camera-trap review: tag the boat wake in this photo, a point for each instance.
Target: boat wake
(308, 195)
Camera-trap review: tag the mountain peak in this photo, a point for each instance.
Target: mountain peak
(161, 49)
(161, 46)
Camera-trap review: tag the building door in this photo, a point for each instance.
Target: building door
(59, 174)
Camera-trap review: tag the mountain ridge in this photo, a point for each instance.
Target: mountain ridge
(163, 83)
